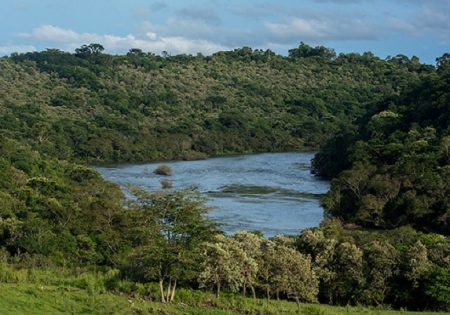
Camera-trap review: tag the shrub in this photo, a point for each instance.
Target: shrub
(166, 184)
(163, 170)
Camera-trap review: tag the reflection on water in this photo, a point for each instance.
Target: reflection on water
(270, 192)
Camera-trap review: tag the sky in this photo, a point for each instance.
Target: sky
(384, 27)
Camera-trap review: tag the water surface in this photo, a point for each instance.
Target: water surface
(270, 192)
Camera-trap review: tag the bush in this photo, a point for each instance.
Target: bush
(166, 184)
(163, 170)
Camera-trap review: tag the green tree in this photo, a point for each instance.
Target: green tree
(306, 51)
(177, 230)
(88, 50)
(346, 285)
(381, 261)
(438, 287)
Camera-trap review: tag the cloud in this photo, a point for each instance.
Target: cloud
(158, 6)
(433, 18)
(189, 28)
(152, 9)
(401, 25)
(314, 28)
(150, 41)
(267, 24)
(206, 15)
(6, 50)
(57, 35)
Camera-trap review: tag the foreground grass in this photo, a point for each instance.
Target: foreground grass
(62, 291)
(42, 299)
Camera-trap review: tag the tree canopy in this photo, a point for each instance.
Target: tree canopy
(395, 169)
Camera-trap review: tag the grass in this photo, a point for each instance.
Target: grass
(42, 299)
(68, 292)
(37, 299)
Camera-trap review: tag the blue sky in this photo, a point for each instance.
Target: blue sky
(385, 27)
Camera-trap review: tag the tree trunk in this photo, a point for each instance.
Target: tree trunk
(253, 292)
(245, 290)
(298, 304)
(278, 294)
(268, 295)
(172, 296)
(218, 290)
(216, 275)
(168, 290)
(161, 290)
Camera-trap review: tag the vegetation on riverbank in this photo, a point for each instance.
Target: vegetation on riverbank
(395, 170)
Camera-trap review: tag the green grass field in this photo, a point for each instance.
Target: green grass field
(65, 291)
(20, 298)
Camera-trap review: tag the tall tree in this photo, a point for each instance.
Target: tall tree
(180, 230)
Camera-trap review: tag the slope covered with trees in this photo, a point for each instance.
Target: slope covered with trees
(102, 108)
(58, 211)
(395, 170)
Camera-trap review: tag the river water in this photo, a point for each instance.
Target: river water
(270, 192)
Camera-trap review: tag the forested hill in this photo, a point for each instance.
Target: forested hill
(96, 107)
(396, 169)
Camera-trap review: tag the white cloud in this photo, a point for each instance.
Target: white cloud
(54, 34)
(278, 26)
(6, 50)
(298, 26)
(322, 29)
(68, 39)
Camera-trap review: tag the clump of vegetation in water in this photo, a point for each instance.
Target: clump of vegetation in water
(166, 184)
(164, 170)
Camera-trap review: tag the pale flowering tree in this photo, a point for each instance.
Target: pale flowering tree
(250, 243)
(225, 264)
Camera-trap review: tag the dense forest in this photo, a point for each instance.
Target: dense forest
(140, 107)
(382, 126)
(395, 169)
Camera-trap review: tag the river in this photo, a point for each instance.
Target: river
(270, 192)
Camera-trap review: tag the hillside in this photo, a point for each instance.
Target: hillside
(395, 170)
(96, 107)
